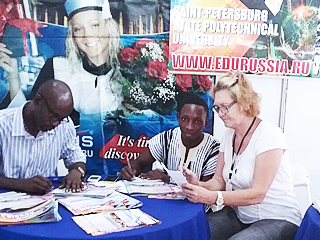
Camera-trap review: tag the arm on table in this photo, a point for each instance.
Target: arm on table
(35, 185)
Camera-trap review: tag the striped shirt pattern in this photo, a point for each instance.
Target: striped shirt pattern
(24, 156)
(206, 156)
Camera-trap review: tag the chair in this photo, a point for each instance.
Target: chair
(301, 182)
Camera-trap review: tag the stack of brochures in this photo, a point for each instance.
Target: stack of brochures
(21, 208)
(116, 221)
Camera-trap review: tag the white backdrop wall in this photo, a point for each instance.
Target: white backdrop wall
(294, 105)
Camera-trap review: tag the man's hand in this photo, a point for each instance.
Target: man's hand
(128, 173)
(36, 185)
(72, 181)
(156, 174)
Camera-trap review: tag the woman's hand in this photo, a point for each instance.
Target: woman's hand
(197, 194)
(190, 176)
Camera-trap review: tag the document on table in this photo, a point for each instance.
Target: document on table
(85, 205)
(147, 187)
(120, 220)
(177, 176)
(90, 190)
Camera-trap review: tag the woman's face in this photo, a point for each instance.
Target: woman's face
(229, 110)
(90, 34)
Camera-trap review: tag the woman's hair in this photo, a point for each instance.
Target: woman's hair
(75, 55)
(240, 90)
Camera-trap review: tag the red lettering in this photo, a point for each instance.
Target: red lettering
(284, 68)
(192, 61)
(253, 65)
(262, 67)
(178, 61)
(235, 63)
(217, 63)
(244, 64)
(205, 62)
(270, 67)
(305, 68)
(225, 63)
(295, 69)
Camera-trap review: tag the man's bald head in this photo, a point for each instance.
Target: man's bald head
(57, 93)
(54, 101)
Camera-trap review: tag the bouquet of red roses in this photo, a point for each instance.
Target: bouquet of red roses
(145, 65)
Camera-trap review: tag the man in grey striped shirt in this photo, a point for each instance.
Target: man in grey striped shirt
(186, 145)
(35, 136)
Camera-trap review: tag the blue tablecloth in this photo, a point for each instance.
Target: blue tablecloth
(310, 226)
(180, 220)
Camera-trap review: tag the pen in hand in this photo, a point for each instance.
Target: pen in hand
(128, 162)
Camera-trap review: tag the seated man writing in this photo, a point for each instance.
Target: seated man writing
(35, 136)
(186, 145)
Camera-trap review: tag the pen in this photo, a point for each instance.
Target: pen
(129, 164)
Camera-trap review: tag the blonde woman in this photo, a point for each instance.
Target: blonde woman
(91, 67)
(252, 183)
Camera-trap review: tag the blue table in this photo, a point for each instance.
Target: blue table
(310, 226)
(180, 220)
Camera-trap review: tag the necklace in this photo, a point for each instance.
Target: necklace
(234, 137)
(233, 143)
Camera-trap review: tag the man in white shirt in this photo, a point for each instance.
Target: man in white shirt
(186, 145)
(35, 136)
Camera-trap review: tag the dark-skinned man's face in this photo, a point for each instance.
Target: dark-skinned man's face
(192, 119)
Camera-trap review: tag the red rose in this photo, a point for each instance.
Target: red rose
(165, 48)
(142, 43)
(156, 70)
(184, 81)
(203, 81)
(127, 55)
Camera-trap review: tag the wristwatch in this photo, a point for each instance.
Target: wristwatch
(220, 200)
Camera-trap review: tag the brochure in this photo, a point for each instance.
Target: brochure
(86, 205)
(146, 187)
(120, 220)
(90, 190)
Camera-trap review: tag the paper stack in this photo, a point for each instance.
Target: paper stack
(21, 208)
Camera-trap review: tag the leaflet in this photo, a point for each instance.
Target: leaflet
(120, 220)
(85, 205)
(90, 190)
(177, 176)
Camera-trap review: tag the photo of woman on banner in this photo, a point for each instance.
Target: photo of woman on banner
(91, 66)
